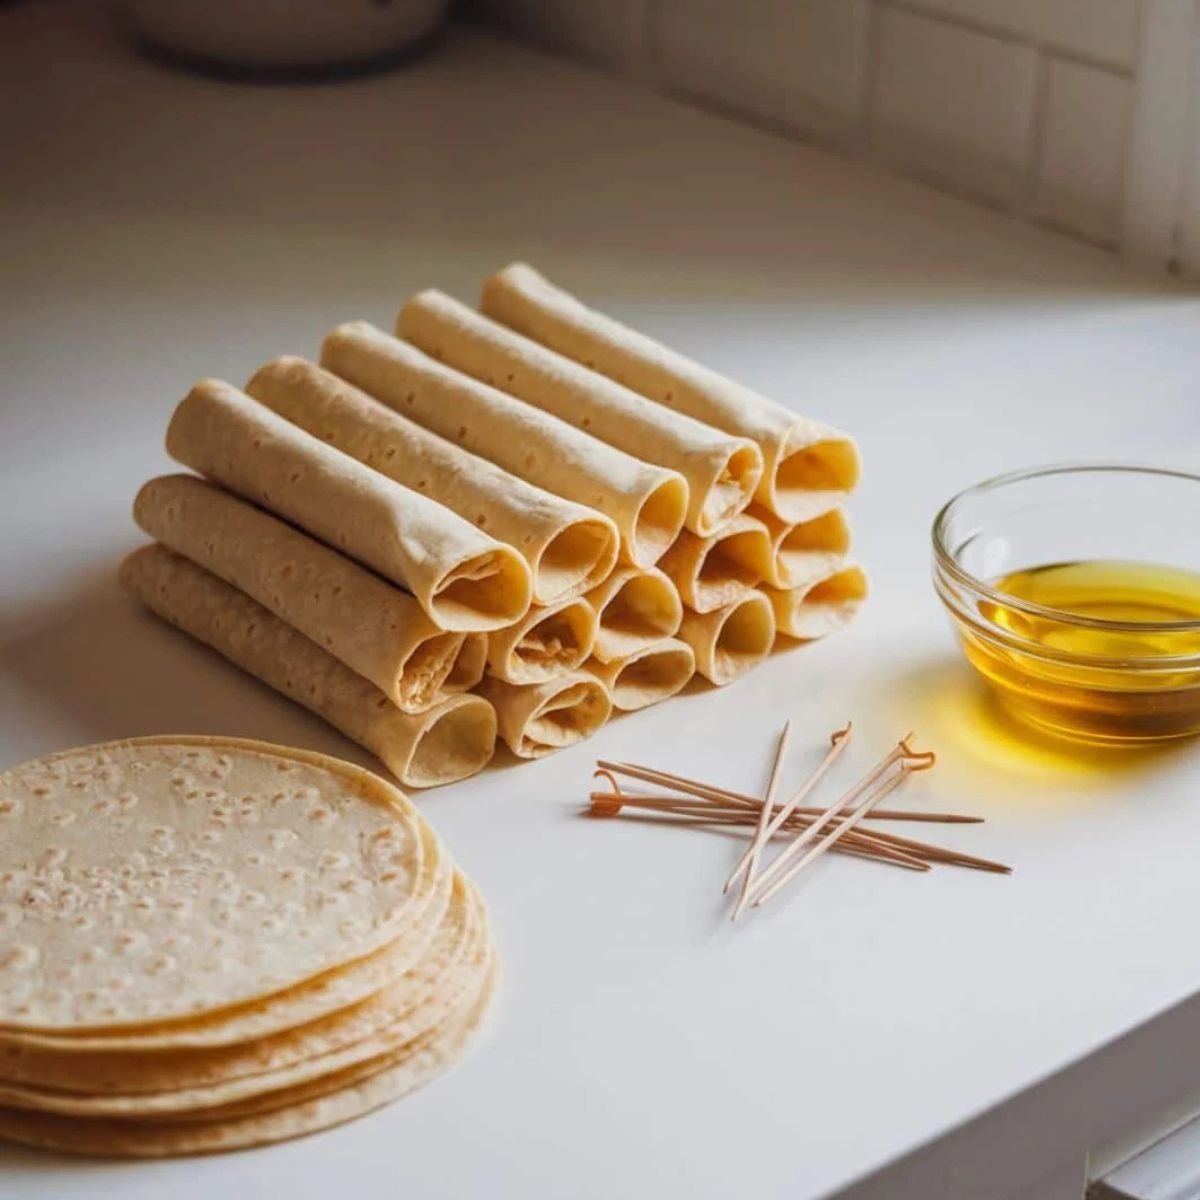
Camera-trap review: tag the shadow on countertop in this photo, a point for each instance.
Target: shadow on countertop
(90, 666)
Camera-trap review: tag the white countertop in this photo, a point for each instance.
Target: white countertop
(157, 227)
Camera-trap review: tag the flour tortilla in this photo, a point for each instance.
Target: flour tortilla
(637, 607)
(802, 555)
(569, 548)
(730, 640)
(332, 992)
(722, 471)
(463, 579)
(822, 608)
(403, 1013)
(450, 741)
(546, 643)
(470, 980)
(469, 665)
(135, 1072)
(365, 622)
(712, 572)
(413, 1066)
(647, 503)
(538, 719)
(166, 878)
(809, 467)
(647, 676)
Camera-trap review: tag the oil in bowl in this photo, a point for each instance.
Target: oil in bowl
(1104, 648)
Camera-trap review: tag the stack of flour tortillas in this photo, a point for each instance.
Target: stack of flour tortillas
(211, 943)
(510, 521)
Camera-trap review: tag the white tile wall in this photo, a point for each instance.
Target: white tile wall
(1084, 145)
(954, 103)
(1106, 30)
(797, 62)
(1039, 107)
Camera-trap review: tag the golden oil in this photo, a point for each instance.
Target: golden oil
(1121, 663)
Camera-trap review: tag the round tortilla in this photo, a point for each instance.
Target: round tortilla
(168, 877)
(327, 993)
(393, 1022)
(104, 1071)
(413, 1066)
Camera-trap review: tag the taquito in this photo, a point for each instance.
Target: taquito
(470, 664)
(804, 554)
(714, 571)
(569, 548)
(363, 621)
(636, 607)
(545, 643)
(809, 467)
(462, 578)
(822, 608)
(647, 676)
(722, 470)
(450, 741)
(647, 503)
(537, 719)
(730, 640)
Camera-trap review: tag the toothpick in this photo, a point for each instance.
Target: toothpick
(692, 786)
(706, 791)
(942, 854)
(666, 800)
(837, 808)
(764, 818)
(857, 844)
(749, 860)
(830, 840)
(698, 812)
(607, 804)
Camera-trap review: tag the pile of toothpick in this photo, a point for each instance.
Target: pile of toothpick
(810, 832)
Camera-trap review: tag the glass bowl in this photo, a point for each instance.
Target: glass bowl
(1065, 669)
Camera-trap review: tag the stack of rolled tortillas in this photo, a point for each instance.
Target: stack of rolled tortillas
(209, 943)
(510, 521)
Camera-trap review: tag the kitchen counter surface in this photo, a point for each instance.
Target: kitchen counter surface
(880, 1034)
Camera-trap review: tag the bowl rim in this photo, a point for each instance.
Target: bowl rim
(946, 562)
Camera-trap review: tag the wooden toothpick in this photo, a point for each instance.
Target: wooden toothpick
(764, 894)
(764, 818)
(749, 861)
(668, 799)
(836, 809)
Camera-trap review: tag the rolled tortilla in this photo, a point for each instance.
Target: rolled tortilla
(731, 640)
(636, 608)
(714, 571)
(540, 718)
(546, 643)
(804, 554)
(809, 467)
(822, 608)
(363, 621)
(569, 548)
(463, 579)
(722, 471)
(470, 664)
(651, 674)
(647, 503)
(450, 741)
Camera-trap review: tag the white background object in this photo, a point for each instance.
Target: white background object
(879, 1035)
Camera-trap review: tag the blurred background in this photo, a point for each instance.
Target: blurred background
(1076, 114)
